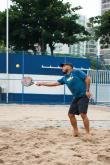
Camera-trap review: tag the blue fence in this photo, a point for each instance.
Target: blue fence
(40, 68)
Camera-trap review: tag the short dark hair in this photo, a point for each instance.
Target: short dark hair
(61, 65)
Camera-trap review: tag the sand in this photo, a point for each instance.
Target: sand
(42, 135)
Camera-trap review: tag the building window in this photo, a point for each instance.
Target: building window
(106, 5)
(105, 1)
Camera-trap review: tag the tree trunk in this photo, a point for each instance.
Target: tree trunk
(51, 49)
(43, 48)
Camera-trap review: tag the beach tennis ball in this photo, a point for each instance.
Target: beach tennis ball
(17, 65)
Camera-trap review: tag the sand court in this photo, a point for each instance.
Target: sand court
(42, 135)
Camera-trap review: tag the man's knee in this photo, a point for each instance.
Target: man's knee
(70, 115)
(83, 115)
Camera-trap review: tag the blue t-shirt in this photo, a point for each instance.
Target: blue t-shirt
(75, 82)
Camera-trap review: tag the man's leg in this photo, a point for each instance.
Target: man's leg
(83, 108)
(86, 122)
(73, 123)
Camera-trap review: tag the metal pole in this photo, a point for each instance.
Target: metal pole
(22, 77)
(96, 79)
(84, 48)
(98, 47)
(7, 49)
(97, 67)
(65, 60)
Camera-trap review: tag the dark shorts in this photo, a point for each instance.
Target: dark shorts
(79, 105)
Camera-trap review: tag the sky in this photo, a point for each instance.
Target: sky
(90, 7)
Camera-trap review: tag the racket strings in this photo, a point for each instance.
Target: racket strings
(27, 81)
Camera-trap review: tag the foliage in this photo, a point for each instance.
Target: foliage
(42, 22)
(101, 26)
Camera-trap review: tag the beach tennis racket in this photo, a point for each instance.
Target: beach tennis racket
(27, 81)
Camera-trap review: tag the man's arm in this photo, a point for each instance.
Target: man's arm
(88, 81)
(48, 84)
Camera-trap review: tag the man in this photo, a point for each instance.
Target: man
(79, 84)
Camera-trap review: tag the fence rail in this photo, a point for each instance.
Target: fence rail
(46, 68)
(103, 76)
(16, 90)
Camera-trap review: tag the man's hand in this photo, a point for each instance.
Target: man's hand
(88, 94)
(87, 81)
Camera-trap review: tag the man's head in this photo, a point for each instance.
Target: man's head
(66, 67)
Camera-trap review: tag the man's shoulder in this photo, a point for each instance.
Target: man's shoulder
(75, 71)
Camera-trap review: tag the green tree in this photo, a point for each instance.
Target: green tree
(104, 29)
(2, 30)
(2, 46)
(101, 27)
(43, 22)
